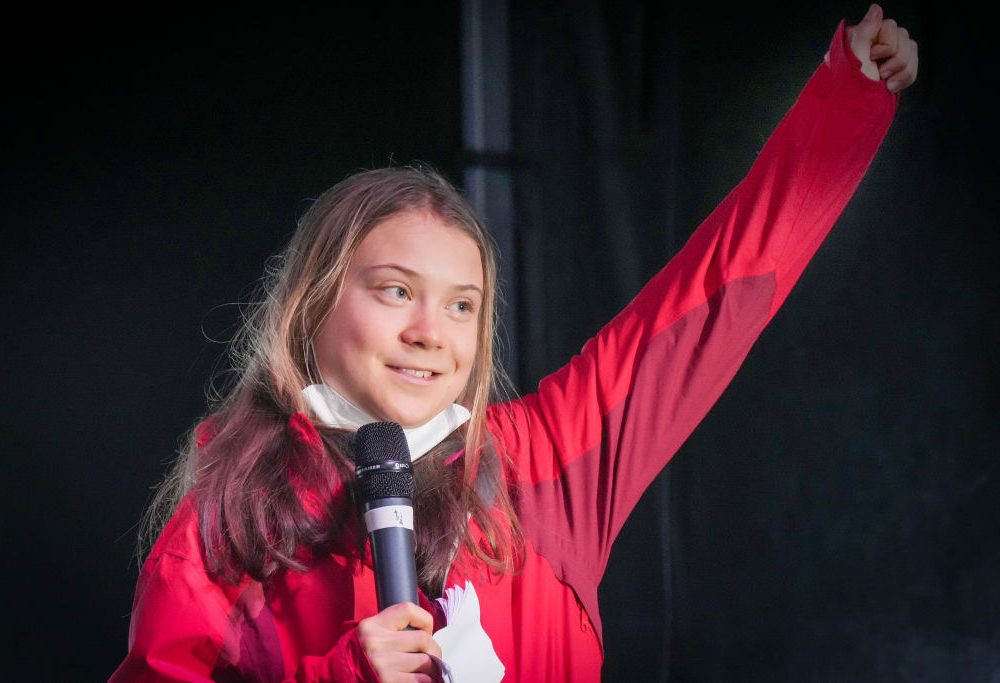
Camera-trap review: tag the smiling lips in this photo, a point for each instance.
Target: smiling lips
(421, 374)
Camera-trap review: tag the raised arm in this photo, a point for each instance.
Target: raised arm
(596, 433)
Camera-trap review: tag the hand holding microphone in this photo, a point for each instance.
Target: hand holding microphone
(398, 638)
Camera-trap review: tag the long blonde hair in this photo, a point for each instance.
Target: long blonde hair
(250, 471)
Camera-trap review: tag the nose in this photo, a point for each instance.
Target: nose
(424, 329)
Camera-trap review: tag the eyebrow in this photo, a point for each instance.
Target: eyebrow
(412, 273)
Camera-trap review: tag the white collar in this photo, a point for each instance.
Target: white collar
(334, 410)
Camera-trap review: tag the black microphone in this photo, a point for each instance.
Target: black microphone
(385, 483)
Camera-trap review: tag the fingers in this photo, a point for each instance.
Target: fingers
(862, 36)
(399, 642)
(403, 615)
(869, 25)
(898, 72)
(897, 56)
(399, 645)
(888, 36)
(885, 50)
(404, 666)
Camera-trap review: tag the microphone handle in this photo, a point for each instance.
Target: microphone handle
(393, 555)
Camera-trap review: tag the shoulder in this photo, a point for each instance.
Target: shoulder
(507, 425)
(175, 573)
(180, 537)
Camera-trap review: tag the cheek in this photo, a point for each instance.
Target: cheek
(325, 343)
(339, 347)
(468, 351)
(354, 330)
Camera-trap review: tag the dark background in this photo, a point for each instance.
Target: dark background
(837, 514)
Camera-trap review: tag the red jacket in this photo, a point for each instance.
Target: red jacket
(585, 445)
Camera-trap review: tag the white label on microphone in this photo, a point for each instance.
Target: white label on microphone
(389, 516)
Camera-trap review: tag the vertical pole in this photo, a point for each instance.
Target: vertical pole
(486, 136)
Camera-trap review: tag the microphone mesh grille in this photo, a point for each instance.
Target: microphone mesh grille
(375, 444)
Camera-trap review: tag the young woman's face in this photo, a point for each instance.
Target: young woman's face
(401, 342)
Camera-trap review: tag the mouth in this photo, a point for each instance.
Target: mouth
(414, 372)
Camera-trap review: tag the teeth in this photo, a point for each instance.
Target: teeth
(415, 373)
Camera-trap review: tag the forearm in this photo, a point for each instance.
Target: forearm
(599, 429)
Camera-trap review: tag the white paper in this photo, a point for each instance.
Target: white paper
(465, 647)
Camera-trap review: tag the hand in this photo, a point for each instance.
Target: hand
(886, 50)
(398, 654)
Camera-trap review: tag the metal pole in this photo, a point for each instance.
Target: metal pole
(488, 177)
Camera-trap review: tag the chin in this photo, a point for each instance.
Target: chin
(410, 413)
(407, 420)
(416, 422)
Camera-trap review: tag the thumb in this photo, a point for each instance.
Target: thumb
(869, 25)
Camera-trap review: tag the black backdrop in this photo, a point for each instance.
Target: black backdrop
(836, 514)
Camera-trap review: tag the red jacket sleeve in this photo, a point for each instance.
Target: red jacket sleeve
(595, 434)
(179, 633)
(345, 662)
(187, 626)
(178, 622)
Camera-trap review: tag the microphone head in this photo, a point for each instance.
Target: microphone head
(382, 461)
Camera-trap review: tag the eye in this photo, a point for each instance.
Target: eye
(463, 307)
(395, 293)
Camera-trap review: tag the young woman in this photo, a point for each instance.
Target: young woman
(382, 310)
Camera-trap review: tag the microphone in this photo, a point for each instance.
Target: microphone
(385, 483)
